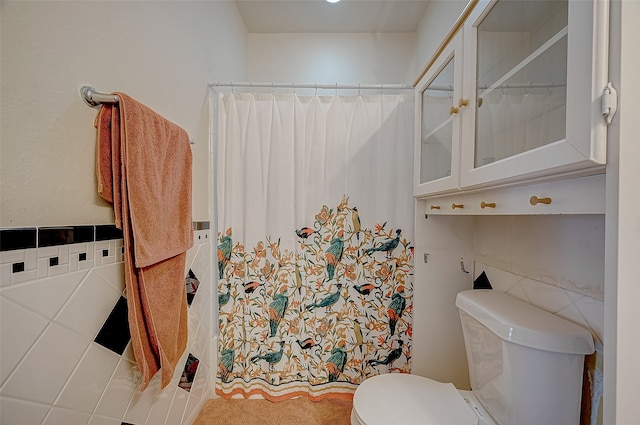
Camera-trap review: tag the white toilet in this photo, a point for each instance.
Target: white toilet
(525, 366)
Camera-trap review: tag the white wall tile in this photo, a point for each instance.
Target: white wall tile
(80, 376)
(20, 412)
(89, 306)
(119, 391)
(518, 292)
(24, 276)
(492, 241)
(545, 296)
(500, 280)
(113, 274)
(142, 401)
(533, 254)
(8, 258)
(48, 365)
(593, 312)
(45, 296)
(5, 274)
(161, 405)
(19, 329)
(101, 420)
(59, 416)
(178, 406)
(89, 380)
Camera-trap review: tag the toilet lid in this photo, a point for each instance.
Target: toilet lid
(403, 399)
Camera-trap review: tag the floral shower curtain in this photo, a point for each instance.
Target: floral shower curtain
(315, 251)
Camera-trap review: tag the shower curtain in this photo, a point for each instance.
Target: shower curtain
(518, 120)
(315, 251)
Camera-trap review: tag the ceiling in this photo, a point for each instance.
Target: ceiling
(318, 16)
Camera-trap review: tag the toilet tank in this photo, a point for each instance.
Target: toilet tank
(525, 364)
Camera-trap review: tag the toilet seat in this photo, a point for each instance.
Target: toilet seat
(404, 399)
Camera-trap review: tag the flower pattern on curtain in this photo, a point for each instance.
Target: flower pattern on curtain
(337, 309)
(313, 298)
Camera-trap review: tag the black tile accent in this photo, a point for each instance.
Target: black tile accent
(23, 238)
(33, 237)
(190, 369)
(82, 256)
(201, 225)
(106, 232)
(53, 261)
(19, 267)
(52, 236)
(192, 283)
(105, 252)
(115, 334)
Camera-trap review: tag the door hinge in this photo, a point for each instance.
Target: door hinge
(609, 103)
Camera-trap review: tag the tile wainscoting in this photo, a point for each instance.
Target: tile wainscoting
(65, 350)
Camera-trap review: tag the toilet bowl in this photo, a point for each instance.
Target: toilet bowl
(403, 399)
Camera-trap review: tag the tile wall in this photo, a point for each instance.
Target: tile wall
(65, 354)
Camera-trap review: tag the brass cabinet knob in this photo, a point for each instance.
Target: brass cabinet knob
(463, 102)
(453, 110)
(435, 207)
(454, 205)
(484, 205)
(534, 200)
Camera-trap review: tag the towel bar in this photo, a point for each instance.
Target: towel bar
(93, 98)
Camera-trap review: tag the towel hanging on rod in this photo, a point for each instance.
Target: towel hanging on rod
(93, 98)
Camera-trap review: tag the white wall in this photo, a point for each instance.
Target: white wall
(437, 21)
(163, 54)
(332, 58)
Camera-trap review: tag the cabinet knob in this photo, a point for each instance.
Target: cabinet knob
(484, 205)
(454, 205)
(435, 207)
(534, 200)
(453, 110)
(463, 102)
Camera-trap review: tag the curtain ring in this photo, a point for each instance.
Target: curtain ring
(358, 89)
(336, 89)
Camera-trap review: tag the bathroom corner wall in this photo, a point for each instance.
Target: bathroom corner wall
(66, 356)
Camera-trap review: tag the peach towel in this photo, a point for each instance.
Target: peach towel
(143, 166)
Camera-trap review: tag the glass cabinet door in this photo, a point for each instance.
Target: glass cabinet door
(437, 126)
(521, 75)
(437, 144)
(534, 74)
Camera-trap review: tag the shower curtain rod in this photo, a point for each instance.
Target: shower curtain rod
(330, 86)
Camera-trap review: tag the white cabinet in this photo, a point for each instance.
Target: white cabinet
(527, 104)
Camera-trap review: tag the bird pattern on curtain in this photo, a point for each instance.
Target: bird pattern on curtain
(320, 319)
